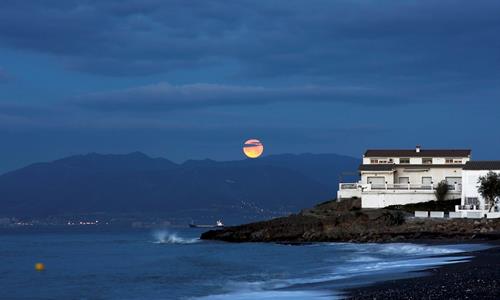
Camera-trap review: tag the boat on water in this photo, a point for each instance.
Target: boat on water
(217, 224)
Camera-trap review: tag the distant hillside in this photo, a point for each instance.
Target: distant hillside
(136, 183)
(324, 168)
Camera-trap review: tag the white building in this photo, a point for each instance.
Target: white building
(394, 177)
(473, 204)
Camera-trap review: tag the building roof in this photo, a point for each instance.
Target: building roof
(377, 167)
(482, 165)
(414, 153)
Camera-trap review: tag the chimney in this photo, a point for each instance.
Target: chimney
(417, 149)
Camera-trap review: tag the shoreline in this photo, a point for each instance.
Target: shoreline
(345, 221)
(478, 278)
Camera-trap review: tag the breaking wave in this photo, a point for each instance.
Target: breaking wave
(165, 237)
(407, 249)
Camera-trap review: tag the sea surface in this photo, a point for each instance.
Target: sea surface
(175, 264)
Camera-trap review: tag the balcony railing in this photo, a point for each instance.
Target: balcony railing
(472, 207)
(402, 186)
(349, 186)
(395, 186)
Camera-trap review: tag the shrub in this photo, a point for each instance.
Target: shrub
(441, 190)
(489, 187)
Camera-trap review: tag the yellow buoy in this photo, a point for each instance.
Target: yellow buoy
(39, 267)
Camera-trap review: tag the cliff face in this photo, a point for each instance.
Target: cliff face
(346, 222)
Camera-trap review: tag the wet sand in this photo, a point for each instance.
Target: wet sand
(477, 279)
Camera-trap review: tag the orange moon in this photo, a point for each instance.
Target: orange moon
(253, 148)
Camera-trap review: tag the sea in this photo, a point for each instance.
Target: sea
(175, 264)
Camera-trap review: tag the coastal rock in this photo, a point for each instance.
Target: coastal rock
(343, 222)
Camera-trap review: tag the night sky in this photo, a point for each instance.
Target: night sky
(195, 79)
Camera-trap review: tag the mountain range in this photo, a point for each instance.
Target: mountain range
(138, 184)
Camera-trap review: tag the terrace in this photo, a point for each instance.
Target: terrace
(346, 189)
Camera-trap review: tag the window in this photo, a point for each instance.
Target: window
(453, 161)
(453, 180)
(374, 161)
(471, 201)
(404, 160)
(427, 161)
(426, 180)
(377, 180)
(404, 180)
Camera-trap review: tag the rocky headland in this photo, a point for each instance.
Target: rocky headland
(345, 221)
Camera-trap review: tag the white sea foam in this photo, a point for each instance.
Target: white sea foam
(297, 288)
(165, 237)
(399, 265)
(364, 258)
(277, 288)
(363, 264)
(414, 249)
(407, 249)
(272, 295)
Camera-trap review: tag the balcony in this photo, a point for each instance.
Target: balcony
(350, 190)
(395, 186)
(349, 186)
(402, 186)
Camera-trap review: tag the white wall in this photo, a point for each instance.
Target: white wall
(415, 175)
(348, 193)
(416, 160)
(470, 184)
(389, 176)
(437, 174)
(383, 199)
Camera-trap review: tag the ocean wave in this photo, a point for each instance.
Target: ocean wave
(414, 249)
(363, 259)
(165, 237)
(310, 287)
(272, 289)
(272, 295)
(354, 264)
(400, 265)
(408, 249)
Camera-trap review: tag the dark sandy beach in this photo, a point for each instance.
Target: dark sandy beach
(477, 279)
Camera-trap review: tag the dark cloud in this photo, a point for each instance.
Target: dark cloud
(19, 116)
(167, 97)
(337, 39)
(164, 96)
